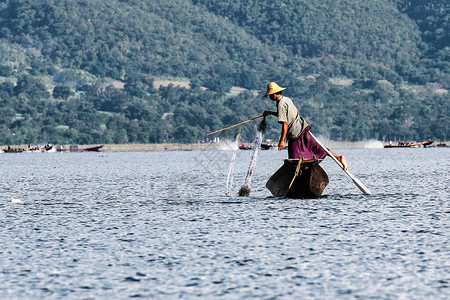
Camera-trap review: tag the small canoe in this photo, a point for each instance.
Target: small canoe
(310, 182)
(263, 147)
(95, 148)
(11, 150)
(266, 146)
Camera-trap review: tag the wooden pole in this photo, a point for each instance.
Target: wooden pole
(235, 125)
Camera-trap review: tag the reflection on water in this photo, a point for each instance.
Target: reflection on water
(158, 224)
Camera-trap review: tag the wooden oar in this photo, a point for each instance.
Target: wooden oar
(358, 183)
(235, 125)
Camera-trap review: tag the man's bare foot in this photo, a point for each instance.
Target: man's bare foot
(343, 162)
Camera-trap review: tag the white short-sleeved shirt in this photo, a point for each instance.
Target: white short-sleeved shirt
(287, 112)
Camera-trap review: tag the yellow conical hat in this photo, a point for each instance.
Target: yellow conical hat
(273, 88)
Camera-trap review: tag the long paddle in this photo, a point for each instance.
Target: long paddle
(358, 183)
(235, 125)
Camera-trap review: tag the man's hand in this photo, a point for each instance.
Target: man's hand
(268, 113)
(284, 130)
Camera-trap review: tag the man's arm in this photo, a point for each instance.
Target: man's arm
(284, 129)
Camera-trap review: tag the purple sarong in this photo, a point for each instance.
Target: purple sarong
(305, 145)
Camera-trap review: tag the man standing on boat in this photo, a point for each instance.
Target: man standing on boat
(295, 128)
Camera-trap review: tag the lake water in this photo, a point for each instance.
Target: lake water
(159, 225)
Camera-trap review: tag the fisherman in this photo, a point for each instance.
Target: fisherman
(295, 128)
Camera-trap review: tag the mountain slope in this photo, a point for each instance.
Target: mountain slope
(356, 69)
(113, 38)
(182, 38)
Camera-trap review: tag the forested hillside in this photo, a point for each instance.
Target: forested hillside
(85, 71)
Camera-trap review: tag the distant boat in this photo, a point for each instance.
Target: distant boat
(263, 147)
(49, 148)
(46, 148)
(409, 144)
(243, 147)
(74, 148)
(95, 148)
(13, 150)
(266, 146)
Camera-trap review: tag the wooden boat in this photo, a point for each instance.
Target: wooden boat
(309, 183)
(243, 147)
(409, 144)
(38, 148)
(95, 148)
(263, 147)
(13, 150)
(48, 147)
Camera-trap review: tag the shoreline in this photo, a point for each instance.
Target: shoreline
(127, 147)
(155, 147)
(223, 145)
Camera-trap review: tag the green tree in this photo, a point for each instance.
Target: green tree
(62, 92)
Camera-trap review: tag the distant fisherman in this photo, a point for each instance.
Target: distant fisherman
(295, 128)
